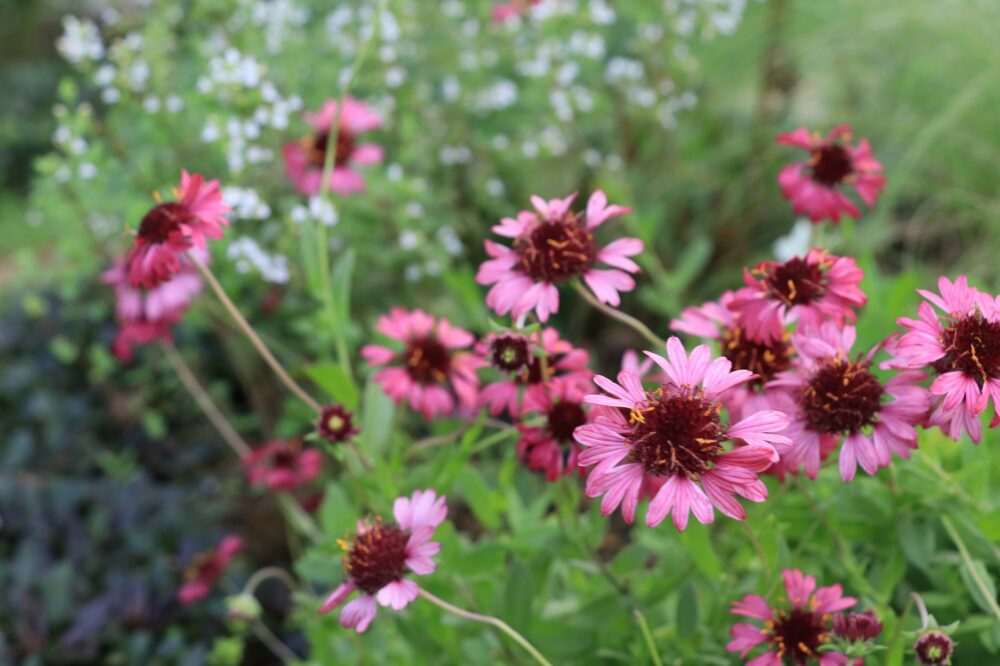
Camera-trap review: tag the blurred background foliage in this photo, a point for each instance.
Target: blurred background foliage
(110, 477)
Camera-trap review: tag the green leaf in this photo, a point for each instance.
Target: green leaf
(687, 610)
(336, 383)
(377, 418)
(980, 584)
(517, 594)
(697, 544)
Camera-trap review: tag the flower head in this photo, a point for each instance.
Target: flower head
(816, 187)
(832, 398)
(335, 424)
(676, 432)
(505, 11)
(857, 627)
(793, 630)
(431, 372)
(206, 568)
(379, 556)
(304, 159)
(962, 347)
(281, 465)
(812, 288)
(549, 446)
(552, 245)
(531, 363)
(934, 648)
(170, 228)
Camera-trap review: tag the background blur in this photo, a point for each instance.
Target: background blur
(109, 476)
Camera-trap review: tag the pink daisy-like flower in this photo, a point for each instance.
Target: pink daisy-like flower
(816, 187)
(794, 629)
(552, 245)
(833, 399)
(171, 228)
(304, 159)
(810, 289)
(505, 11)
(380, 554)
(520, 357)
(676, 432)
(282, 465)
(962, 347)
(549, 447)
(206, 568)
(431, 372)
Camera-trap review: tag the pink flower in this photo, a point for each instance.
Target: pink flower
(820, 286)
(206, 568)
(675, 432)
(549, 447)
(171, 228)
(304, 159)
(795, 628)
(380, 554)
(147, 315)
(281, 465)
(505, 11)
(816, 187)
(431, 372)
(552, 245)
(521, 357)
(962, 347)
(831, 399)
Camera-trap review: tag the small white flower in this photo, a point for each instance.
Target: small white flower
(80, 41)
(323, 210)
(151, 103)
(174, 103)
(104, 75)
(394, 172)
(110, 95)
(495, 187)
(796, 242)
(87, 170)
(409, 239)
(414, 209)
(412, 273)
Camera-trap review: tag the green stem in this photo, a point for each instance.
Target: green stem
(297, 516)
(981, 585)
(628, 320)
(654, 654)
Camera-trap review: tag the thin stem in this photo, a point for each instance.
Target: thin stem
(922, 609)
(648, 637)
(981, 585)
(273, 643)
(200, 395)
(297, 516)
(488, 619)
(267, 573)
(757, 545)
(629, 320)
(255, 340)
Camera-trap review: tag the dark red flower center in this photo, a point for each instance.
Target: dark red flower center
(204, 566)
(798, 634)
(564, 417)
(377, 557)
(795, 282)
(676, 433)
(972, 346)
(934, 647)
(427, 360)
(557, 250)
(318, 145)
(284, 458)
(831, 164)
(510, 353)
(335, 424)
(842, 396)
(763, 359)
(163, 220)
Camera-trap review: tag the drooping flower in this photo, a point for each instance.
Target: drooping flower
(831, 398)
(206, 568)
(521, 357)
(817, 187)
(505, 11)
(282, 465)
(304, 159)
(549, 447)
(962, 347)
(794, 629)
(810, 289)
(379, 556)
(432, 372)
(148, 315)
(676, 432)
(934, 648)
(552, 245)
(171, 228)
(335, 424)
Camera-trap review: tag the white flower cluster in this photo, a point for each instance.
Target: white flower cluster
(80, 40)
(248, 255)
(246, 203)
(317, 208)
(229, 70)
(279, 19)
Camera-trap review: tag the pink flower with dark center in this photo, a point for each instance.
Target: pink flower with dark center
(794, 629)
(552, 245)
(857, 627)
(304, 159)
(335, 424)
(765, 359)
(173, 227)
(934, 648)
(676, 432)
(816, 187)
(431, 372)
(206, 568)
(962, 347)
(379, 556)
(831, 398)
(282, 465)
(549, 447)
(505, 11)
(521, 357)
(811, 289)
